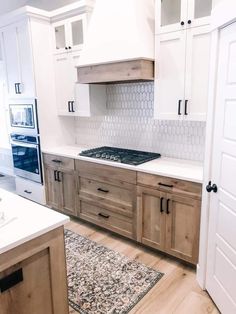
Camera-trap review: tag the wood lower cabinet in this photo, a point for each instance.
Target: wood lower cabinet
(182, 227)
(107, 197)
(160, 212)
(60, 182)
(151, 218)
(33, 276)
(169, 222)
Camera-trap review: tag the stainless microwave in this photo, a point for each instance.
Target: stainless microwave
(23, 116)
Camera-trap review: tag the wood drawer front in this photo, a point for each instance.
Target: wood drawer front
(59, 161)
(106, 218)
(108, 193)
(105, 173)
(167, 184)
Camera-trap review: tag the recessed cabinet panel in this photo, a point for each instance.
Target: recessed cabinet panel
(182, 227)
(60, 37)
(68, 191)
(197, 73)
(170, 70)
(18, 60)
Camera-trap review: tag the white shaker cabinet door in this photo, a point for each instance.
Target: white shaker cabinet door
(170, 75)
(199, 12)
(18, 60)
(197, 73)
(65, 79)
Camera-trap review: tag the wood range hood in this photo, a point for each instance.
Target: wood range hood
(119, 46)
(117, 72)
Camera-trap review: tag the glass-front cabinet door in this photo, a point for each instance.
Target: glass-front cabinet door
(199, 12)
(69, 34)
(175, 15)
(171, 15)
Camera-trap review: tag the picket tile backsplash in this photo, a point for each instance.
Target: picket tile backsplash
(129, 123)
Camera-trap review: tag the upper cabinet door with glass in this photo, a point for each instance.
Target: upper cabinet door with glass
(175, 15)
(69, 34)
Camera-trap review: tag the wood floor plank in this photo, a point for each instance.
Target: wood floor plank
(176, 293)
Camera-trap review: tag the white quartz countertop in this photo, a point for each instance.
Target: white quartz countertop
(24, 220)
(169, 167)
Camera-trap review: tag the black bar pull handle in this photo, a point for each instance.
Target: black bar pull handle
(166, 185)
(27, 192)
(103, 215)
(72, 106)
(167, 207)
(179, 107)
(102, 190)
(58, 176)
(11, 280)
(16, 90)
(55, 175)
(161, 204)
(57, 161)
(69, 106)
(186, 107)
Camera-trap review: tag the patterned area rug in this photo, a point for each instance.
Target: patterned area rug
(103, 281)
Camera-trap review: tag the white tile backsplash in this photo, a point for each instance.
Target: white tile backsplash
(129, 123)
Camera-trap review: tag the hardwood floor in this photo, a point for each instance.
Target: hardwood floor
(177, 292)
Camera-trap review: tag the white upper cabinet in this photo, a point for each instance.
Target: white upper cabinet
(181, 14)
(65, 79)
(69, 34)
(182, 69)
(17, 54)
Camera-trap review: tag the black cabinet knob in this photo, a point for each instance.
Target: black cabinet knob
(189, 21)
(66, 48)
(211, 188)
(69, 47)
(182, 23)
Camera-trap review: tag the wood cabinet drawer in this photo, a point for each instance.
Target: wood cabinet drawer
(58, 161)
(106, 218)
(108, 193)
(105, 173)
(167, 184)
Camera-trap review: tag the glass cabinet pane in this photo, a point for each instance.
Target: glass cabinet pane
(60, 37)
(170, 12)
(77, 33)
(202, 8)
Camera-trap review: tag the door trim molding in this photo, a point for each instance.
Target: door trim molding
(222, 15)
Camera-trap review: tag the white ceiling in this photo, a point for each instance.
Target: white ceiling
(10, 5)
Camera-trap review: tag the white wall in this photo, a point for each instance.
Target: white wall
(10, 5)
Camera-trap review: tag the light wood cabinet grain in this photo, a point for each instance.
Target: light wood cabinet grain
(60, 182)
(151, 222)
(38, 267)
(182, 227)
(168, 220)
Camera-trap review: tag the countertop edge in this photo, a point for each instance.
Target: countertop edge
(34, 235)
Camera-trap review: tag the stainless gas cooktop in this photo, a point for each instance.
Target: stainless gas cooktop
(121, 155)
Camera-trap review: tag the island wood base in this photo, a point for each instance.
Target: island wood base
(33, 276)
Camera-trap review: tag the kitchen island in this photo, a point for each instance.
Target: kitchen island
(32, 258)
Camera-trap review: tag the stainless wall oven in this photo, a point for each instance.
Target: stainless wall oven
(26, 156)
(23, 116)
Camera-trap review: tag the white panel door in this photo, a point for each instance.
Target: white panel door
(170, 75)
(197, 73)
(221, 265)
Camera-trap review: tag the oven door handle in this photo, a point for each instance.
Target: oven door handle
(24, 144)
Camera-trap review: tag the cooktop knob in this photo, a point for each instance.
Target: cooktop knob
(98, 155)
